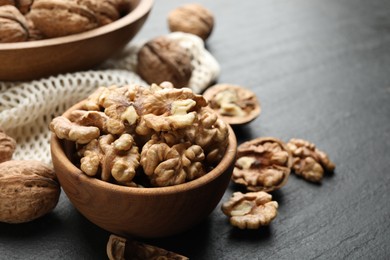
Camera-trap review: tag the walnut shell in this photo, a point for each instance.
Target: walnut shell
(28, 190)
(191, 18)
(13, 25)
(122, 248)
(162, 59)
(60, 18)
(7, 2)
(24, 5)
(235, 104)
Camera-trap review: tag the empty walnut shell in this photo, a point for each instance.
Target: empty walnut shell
(162, 59)
(262, 164)
(191, 18)
(236, 105)
(121, 248)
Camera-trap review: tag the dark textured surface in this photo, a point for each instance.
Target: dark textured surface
(321, 70)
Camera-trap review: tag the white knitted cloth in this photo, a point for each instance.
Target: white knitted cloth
(27, 108)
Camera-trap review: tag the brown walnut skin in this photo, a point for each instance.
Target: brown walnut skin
(191, 18)
(162, 59)
(235, 104)
(28, 190)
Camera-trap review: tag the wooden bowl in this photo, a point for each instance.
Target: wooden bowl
(36, 59)
(141, 212)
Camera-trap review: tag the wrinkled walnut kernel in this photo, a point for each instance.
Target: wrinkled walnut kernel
(166, 166)
(110, 157)
(262, 164)
(120, 248)
(235, 104)
(251, 210)
(65, 129)
(308, 161)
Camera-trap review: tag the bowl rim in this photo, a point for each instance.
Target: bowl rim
(142, 8)
(226, 162)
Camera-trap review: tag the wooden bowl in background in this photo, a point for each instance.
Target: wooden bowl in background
(35, 59)
(141, 212)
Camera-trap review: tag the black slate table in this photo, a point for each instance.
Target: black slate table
(321, 70)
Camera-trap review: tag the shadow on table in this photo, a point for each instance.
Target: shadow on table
(193, 242)
(43, 226)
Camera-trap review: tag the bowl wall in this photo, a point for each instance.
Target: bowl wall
(142, 212)
(36, 59)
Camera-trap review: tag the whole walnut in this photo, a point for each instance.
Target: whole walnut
(28, 190)
(13, 25)
(61, 18)
(191, 18)
(162, 59)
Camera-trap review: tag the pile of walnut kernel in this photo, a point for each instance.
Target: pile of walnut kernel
(263, 165)
(145, 137)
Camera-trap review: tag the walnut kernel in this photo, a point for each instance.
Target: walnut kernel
(179, 137)
(235, 104)
(308, 161)
(262, 164)
(251, 210)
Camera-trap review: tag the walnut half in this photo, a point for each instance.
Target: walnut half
(308, 161)
(262, 164)
(120, 248)
(251, 210)
(236, 105)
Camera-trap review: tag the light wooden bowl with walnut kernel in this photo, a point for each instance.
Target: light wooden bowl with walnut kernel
(141, 212)
(41, 58)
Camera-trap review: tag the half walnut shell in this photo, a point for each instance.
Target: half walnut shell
(262, 164)
(120, 248)
(236, 105)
